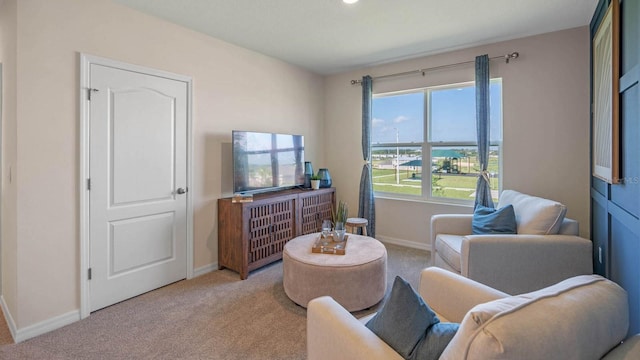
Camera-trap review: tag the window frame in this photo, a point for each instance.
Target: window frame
(427, 146)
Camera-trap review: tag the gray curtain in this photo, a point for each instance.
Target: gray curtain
(366, 207)
(483, 187)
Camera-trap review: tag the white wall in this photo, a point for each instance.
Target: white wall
(545, 126)
(234, 88)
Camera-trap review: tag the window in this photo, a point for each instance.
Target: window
(439, 122)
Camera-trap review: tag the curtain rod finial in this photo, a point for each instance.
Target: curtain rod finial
(355, 82)
(513, 55)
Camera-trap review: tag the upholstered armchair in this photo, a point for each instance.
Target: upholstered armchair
(546, 248)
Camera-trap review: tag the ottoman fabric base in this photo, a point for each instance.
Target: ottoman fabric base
(355, 286)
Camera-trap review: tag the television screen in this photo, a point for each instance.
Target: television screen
(266, 161)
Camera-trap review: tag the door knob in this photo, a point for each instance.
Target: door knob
(181, 191)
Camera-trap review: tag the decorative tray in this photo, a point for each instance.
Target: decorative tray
(329, 245)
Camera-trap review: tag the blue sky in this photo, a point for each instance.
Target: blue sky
(453, 113)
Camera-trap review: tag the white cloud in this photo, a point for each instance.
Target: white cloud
(377, 122)
(400, 119)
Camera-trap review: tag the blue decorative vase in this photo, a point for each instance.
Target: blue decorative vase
(325, 178)
(308, 173)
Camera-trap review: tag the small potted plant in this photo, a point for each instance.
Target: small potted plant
(315, 182)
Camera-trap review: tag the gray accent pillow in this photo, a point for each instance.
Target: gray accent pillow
(491, 221)
(403, 319)
(435, 340)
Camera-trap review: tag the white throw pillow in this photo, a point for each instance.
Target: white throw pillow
(534, 215)
(579, 318)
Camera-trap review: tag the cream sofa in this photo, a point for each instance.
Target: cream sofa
(545, 250)
(580, 318)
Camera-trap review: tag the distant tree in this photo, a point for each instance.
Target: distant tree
(436, 188)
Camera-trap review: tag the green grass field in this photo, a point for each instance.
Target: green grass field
(444, 185)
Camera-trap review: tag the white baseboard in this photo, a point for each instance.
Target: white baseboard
(405, 243)
(40, 328)
(47, 325)
(205, 269)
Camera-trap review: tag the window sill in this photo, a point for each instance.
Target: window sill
(461, 203)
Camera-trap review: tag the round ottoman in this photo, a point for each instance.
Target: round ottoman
(356, 280)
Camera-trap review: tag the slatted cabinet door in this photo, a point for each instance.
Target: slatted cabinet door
(270, 227)
(316, 206)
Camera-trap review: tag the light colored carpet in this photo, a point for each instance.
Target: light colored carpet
(214, 316)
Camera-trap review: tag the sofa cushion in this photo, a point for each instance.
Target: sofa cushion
(534, 215)
(403, 319)
(448, 247)
(488, 220)
(579, 318)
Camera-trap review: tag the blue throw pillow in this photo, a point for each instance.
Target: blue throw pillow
(491, 221)
(403, 319)
(435, 340)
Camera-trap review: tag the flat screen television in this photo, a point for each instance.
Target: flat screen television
(267, 161)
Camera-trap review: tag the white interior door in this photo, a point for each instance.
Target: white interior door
(138, 180)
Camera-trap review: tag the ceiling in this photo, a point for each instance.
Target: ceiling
(329, 36)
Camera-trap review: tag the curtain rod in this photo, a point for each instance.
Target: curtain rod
(507, 57)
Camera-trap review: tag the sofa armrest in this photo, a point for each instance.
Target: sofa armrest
(569, 227)
(333, 333)
(451, 296)
(455, 224)
(519, 264)
(628, 350)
